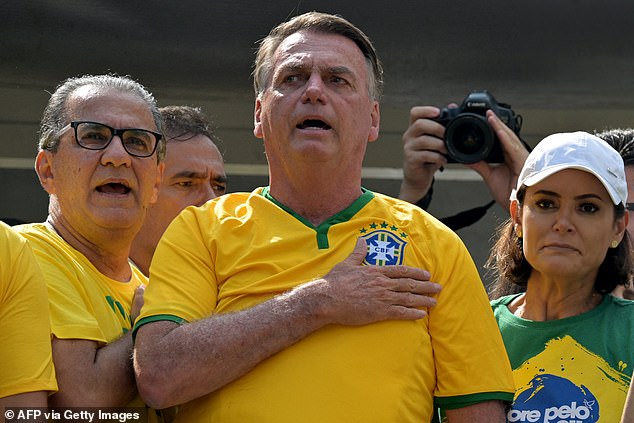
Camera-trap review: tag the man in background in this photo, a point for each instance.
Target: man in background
(425, 153)
(194, 173)
(622, 140)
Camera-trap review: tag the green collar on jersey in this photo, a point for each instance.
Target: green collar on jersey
(322, 230)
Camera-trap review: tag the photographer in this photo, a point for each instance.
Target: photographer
(424, 152)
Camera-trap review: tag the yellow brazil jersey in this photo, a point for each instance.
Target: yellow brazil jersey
(242, 249)
(26, 363)
(84, 303)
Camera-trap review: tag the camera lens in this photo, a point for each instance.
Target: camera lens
(469, 138)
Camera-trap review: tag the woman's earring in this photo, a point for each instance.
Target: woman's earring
(614, 244)
(518, 231)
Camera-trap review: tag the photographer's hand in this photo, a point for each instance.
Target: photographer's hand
(423, 152)
(501, 178)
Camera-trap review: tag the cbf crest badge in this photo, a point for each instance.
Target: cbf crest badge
(385, 248)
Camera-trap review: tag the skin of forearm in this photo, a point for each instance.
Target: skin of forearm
(195, 359)
(92, 376)
(412, 192)
(484, 412)
(25, 400)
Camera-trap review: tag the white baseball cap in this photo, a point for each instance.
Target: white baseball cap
(575, 150)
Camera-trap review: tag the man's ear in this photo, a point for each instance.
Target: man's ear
(257, 122)
(375, 115)
(157, 184)
(44, 170)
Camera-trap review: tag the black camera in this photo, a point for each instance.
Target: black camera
(468, 136)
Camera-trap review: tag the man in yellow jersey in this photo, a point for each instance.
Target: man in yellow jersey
(308, 300)
(100, 160)
(194, 173)
(26, 365)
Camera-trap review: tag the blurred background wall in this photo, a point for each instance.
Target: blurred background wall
(563, 65)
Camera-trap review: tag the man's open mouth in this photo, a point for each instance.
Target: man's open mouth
(313, 124)
(113, 188)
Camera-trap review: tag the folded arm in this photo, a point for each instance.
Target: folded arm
(177, 363)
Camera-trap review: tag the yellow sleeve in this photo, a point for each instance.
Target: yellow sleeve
(26, 363)
(182, 284)
(471, 360)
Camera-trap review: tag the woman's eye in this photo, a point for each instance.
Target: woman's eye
(544, 204)
(588, 208)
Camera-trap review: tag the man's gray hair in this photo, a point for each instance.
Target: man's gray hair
(55, 116)
(318, 22)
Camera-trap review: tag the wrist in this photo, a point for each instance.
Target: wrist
(412, 194)
(309, 303)
(417, 195)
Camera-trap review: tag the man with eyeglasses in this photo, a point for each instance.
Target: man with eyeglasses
(100, 160)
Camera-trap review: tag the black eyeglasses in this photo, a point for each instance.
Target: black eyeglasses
(97, 136)
(629, 206)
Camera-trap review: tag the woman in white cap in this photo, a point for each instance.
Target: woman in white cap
(566, 244)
